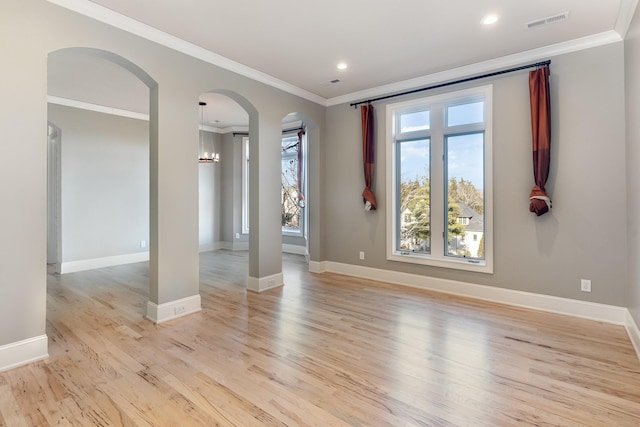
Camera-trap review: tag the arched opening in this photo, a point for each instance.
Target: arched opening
(99, 207)
(225, 125)
(299, 138)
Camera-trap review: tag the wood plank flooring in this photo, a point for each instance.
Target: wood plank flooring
(325, 350)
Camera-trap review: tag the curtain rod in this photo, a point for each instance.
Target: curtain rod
(284, 131)
(439, 85)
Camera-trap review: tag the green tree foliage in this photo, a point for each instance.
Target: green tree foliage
(415, 199)
(455, 228)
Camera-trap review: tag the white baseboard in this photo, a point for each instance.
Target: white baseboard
(317, 266)
(261, 284)
(244, 246)
(576, 308)
(634, 332)
(23, 352)
(91, 264)
(213, 246)
(294, 249)
(172, 310)
(235, 246)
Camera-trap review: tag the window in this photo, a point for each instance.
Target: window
(439, 172)
(293, 215)
(291, 210)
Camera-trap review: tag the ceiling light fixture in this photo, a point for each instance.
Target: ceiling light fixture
(342, 66)
(490, 19)
(204, 156)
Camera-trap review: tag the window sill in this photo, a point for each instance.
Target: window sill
(478, 266)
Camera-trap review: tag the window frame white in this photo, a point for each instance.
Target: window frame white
(245, 185)
(437, 133)
(287, 231)
(245, 189)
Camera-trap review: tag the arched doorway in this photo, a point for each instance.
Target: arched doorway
(106, 155)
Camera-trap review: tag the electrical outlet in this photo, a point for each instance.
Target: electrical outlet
(143, 243)
(237, 235)
(361, 254)
(179, 309)
(585, 285)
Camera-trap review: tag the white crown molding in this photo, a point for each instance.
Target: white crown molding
(232, 129)
(210, 129)
(97, 108)
(481, 67)
(117, 20)
(625, 15)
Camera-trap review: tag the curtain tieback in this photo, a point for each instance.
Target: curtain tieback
(543, 198)
(538, 194)
(369, 199)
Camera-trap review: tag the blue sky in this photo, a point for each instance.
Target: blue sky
(464, 152)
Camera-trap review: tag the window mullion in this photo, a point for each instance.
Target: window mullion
(437, 182)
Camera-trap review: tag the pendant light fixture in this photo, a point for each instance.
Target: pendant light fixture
(205, 156)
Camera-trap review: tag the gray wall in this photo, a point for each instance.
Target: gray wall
(632, 92)
(105, 183)
(232, 191)
(584, 236)
(176, 82)
(209, 208)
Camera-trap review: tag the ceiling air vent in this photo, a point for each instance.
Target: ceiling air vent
(550, 20)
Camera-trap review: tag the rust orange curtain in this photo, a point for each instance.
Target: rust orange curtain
(540, 203)
(368, 156)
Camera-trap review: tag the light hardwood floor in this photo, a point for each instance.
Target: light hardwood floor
(325, 350)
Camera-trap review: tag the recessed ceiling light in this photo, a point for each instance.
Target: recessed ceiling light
(342, 66)
(490, 19)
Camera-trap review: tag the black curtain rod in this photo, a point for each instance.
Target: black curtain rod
(283, 131)
(439, 85)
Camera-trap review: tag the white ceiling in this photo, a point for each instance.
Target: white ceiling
(296, 45)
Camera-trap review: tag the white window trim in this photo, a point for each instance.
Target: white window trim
(481, 266)
(245, 185)
(245, 193)
(287, 231)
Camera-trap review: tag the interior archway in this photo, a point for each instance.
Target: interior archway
(80, 90)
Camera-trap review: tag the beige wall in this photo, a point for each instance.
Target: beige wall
(585, 234)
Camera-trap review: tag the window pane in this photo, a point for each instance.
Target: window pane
(465, 195)
(465, 114)
(289, 145)
(414, 207)
(290, 209)
(414, 121)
